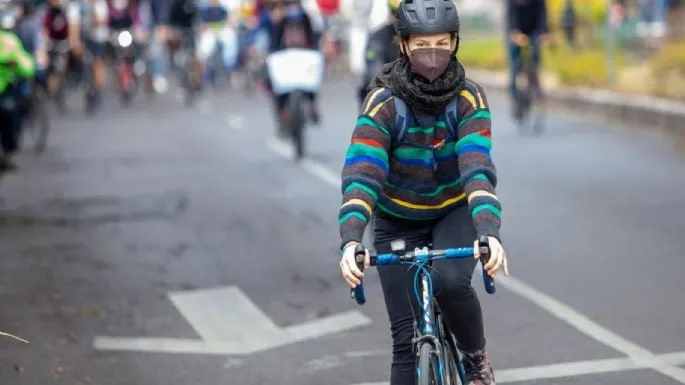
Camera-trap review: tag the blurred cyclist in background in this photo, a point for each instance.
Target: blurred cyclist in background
(28, 29)
(255, 30)
(526, 24)
(28, 26)
(159, 14)
(183, 18)
(16, 67)
(95, 31)
(292, 29)
(125, 14)
(380, 50)
(61, 34)
(218, 37)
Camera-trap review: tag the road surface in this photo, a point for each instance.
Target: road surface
(174, 246)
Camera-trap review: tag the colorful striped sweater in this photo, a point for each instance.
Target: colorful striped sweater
(415, 183)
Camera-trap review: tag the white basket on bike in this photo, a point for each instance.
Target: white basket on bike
(295, 69)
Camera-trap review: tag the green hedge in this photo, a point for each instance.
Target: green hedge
(664, 71)
(587, 67)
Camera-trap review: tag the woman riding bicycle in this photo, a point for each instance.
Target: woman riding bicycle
(420, 164)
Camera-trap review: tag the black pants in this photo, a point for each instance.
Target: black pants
(282, 100)
(10, 121)
(451, 284)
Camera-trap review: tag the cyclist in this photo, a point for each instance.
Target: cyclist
(126, 14)
(293, 29)
(183, 15)
(431, 184)
(60, 32)
(15, 65)
(28, 27)
(380, 50)
(218, 37)
(526, 22)
(254, 31)
(159, 12)
(28, 30)
(95, 30)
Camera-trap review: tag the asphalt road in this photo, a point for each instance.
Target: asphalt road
(161, 221)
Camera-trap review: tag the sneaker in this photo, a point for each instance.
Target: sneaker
(478, 369)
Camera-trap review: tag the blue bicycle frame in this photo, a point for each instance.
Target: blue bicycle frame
(432, 329)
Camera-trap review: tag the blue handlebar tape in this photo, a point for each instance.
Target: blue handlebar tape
(358, 294)
(489, 283)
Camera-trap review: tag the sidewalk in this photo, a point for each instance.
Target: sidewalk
(634, 110)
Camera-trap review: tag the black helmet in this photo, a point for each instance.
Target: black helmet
(426, 16)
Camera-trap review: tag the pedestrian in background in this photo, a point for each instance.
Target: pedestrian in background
(569, 23)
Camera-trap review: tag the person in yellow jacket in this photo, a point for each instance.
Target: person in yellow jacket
(16, 66)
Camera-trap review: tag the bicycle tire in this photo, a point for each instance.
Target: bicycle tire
(454, 374)
(425, 374)
(297, 122)
(538, 114)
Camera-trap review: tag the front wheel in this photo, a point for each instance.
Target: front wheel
(297, 122)
(127, 82)
(454, 371)
(426, 373)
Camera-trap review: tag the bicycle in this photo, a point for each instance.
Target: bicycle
(294, 72)
(186, 64)
(59, 57)
(35, 131)
(438, 360)
(529, 104)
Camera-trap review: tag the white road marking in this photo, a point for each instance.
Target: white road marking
(638, 356)
(323, 173)
(366, 353)
(591, 328)
(235, 122)
(241, 321)
(322, 363)
(233, 363)
(204, 106)
(571, 369)
(229, 323)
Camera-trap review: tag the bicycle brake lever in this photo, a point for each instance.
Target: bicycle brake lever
(358, 292)
(484, 249)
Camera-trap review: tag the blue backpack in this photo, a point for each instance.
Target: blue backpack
(402, 111)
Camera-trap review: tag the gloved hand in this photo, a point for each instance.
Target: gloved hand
(348, 265)
(498, 257)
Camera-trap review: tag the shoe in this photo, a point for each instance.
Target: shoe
(478, 369)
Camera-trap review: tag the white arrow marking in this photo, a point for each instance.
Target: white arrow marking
(235, 122)
(226, 314)
(229, 323)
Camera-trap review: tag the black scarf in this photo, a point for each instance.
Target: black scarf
(421, 95)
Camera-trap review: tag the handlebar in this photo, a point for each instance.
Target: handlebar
(422, 256)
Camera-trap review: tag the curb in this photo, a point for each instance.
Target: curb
(634, 110)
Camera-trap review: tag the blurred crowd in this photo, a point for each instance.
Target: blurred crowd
(50, 48)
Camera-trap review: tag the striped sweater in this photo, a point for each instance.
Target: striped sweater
(417, 183)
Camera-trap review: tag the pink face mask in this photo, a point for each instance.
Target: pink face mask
(429, 62)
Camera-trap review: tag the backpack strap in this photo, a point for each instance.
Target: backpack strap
(401, 123)
(452, 117)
